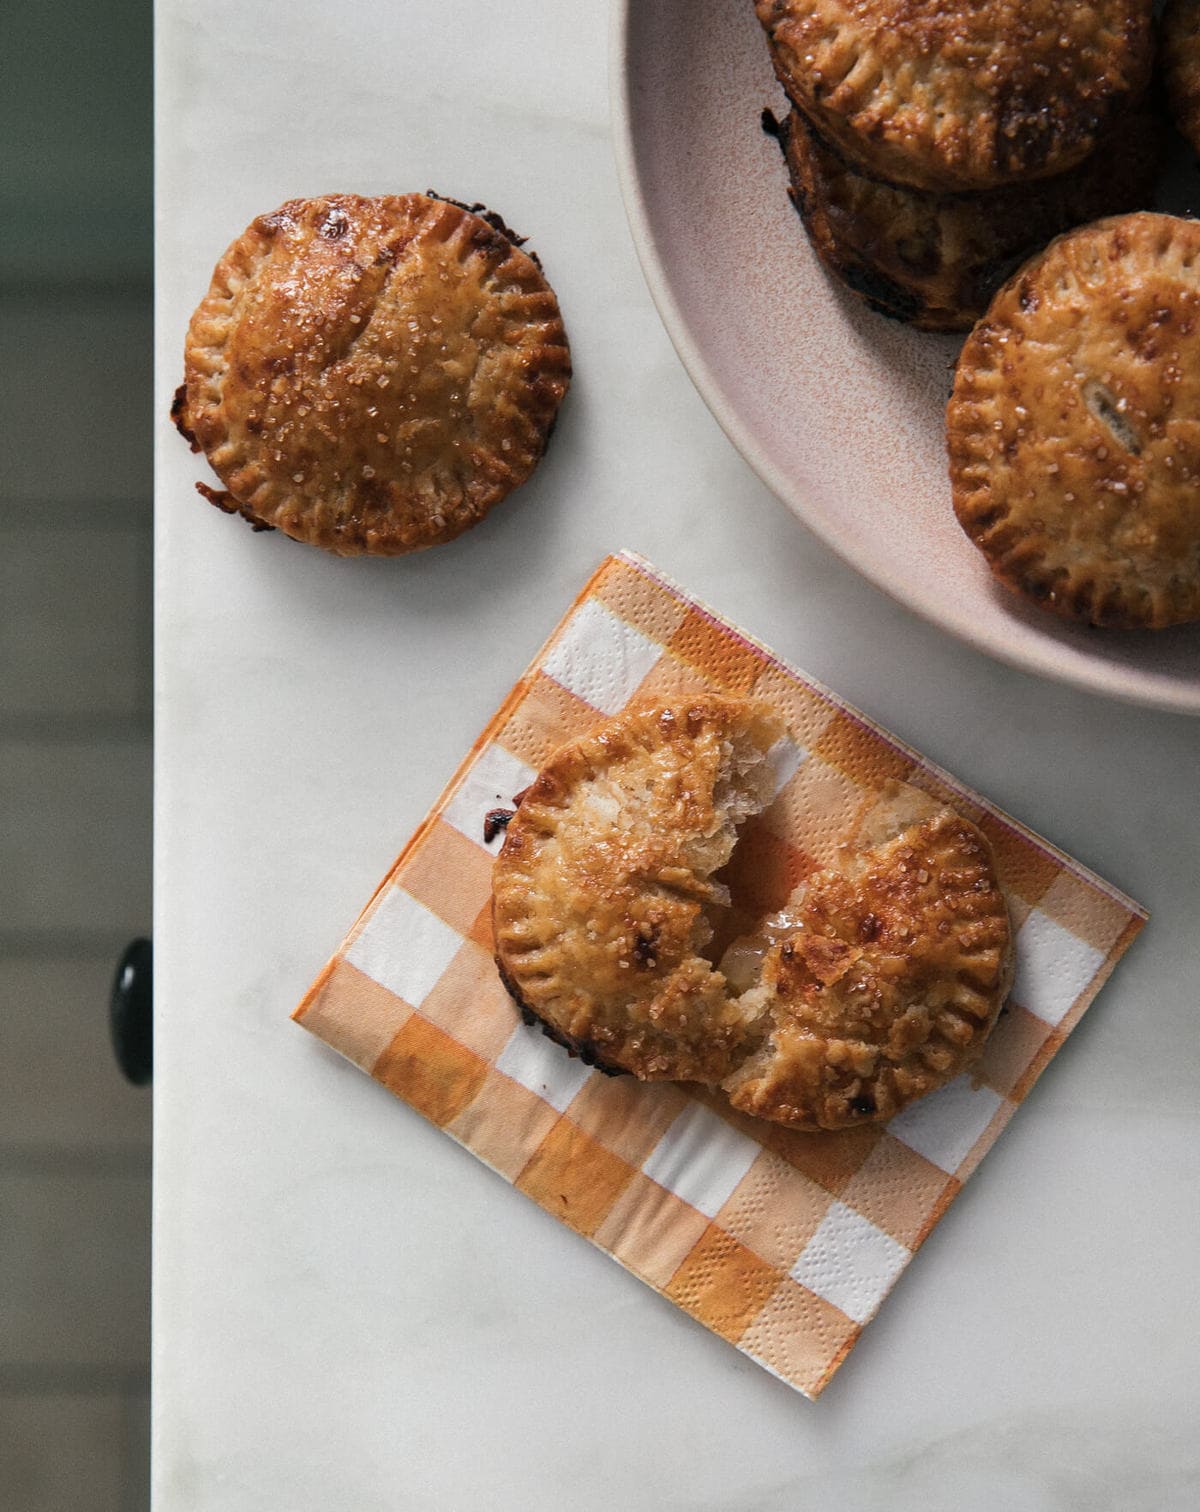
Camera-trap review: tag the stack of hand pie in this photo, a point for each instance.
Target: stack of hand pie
(933, 146)
(986, 165)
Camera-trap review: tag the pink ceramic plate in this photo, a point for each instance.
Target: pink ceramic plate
(839, 410)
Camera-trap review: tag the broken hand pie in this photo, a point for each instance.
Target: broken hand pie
(601, 892)
(879, 981)
(882, 978)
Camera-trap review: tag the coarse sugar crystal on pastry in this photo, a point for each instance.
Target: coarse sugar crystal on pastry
(881, 979)
(1074, 425)
(965, 95)
(603, 890)
(372, 375)
(934, 260)
(1179, 52)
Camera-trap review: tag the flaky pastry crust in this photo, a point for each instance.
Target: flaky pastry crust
(601, 889)
(883, 977)
(935, 260)
(372, 375)
(1074, 425)
(960, 96)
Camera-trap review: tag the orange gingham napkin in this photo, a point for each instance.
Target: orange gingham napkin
(783, 1243)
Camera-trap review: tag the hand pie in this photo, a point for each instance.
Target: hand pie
(601, 892)
(883, 977)
(965, 95)
(372, 375)
(879, 981)
(935, 260)
(1074, 425)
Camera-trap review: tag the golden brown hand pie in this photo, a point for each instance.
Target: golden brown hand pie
(935, 260)
(883, 977)
(601, 890)
(1180, 54)
(372, 375)
(965, 95)
(1074, 425)
(878, 982)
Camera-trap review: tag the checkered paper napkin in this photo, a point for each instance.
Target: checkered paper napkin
(784, 1243)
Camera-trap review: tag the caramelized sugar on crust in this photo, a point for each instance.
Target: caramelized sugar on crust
(372, 375)
(883, 977)
(959, 96)
(1074, 425)
(601, 890)
(1180, 53)
(935, 260)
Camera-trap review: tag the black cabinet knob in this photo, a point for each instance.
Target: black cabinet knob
(131, 1012)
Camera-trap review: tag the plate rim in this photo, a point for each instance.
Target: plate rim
(1117, 684)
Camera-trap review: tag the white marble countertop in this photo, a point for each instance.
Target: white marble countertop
(349, 1310)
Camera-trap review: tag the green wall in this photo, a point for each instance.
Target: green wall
(76, 142)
